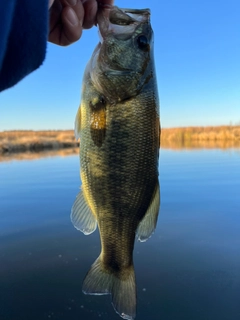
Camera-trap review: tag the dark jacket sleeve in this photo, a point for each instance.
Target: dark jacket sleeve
(23, 38)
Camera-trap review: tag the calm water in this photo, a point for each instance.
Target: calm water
(189, 269)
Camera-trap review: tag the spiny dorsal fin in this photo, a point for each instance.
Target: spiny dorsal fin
(82, 217)
(148, 224)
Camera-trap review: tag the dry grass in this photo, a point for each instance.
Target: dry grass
(188, 137)
(201, 137)
(19, 141)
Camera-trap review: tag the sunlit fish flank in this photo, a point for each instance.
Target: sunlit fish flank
(119, 129)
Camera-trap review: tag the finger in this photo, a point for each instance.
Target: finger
(71, 25)
(90, 12)
(54, 25)
(76, 5)
(54, 15)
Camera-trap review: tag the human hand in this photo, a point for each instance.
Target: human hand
(68, 18)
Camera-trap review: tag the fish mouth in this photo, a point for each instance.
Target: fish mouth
(140, 15)
(119, 21)
(128, 16)
(126, 10)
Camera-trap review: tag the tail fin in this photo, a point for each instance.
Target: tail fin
(123, 289)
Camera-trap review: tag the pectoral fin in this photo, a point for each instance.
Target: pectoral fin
(82, 217)
(98, 120)
(148, 224)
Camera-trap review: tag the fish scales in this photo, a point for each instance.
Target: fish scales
(119, 129)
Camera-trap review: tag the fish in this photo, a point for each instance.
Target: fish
(118, 123)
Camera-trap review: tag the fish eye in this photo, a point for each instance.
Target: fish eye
(143, 43)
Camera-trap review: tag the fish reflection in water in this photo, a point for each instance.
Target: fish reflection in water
(119, 129)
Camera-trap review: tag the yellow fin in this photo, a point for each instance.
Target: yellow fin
(82, 217)
(77, 126)
(148, 224)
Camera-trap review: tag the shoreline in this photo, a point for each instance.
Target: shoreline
(20, 141)
(220, 137)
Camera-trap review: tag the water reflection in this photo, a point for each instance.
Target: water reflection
(189, 269)
(200, 144)
(165, 144)
(28, 155)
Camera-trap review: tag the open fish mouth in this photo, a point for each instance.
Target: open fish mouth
(126, 10)
(118, 21)
(129, 16)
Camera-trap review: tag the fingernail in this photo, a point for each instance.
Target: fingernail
(72, 3)
(72, 17)
(50, 3)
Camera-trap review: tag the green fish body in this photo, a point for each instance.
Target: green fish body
(119, 129)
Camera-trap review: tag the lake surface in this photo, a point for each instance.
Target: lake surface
(188, 270)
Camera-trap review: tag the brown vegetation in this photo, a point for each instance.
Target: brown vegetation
(20, 141)
(201, 137)
(175, 138)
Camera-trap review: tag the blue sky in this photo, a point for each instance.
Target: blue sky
(197, 57)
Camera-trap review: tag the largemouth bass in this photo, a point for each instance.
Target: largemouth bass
(119, 129)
